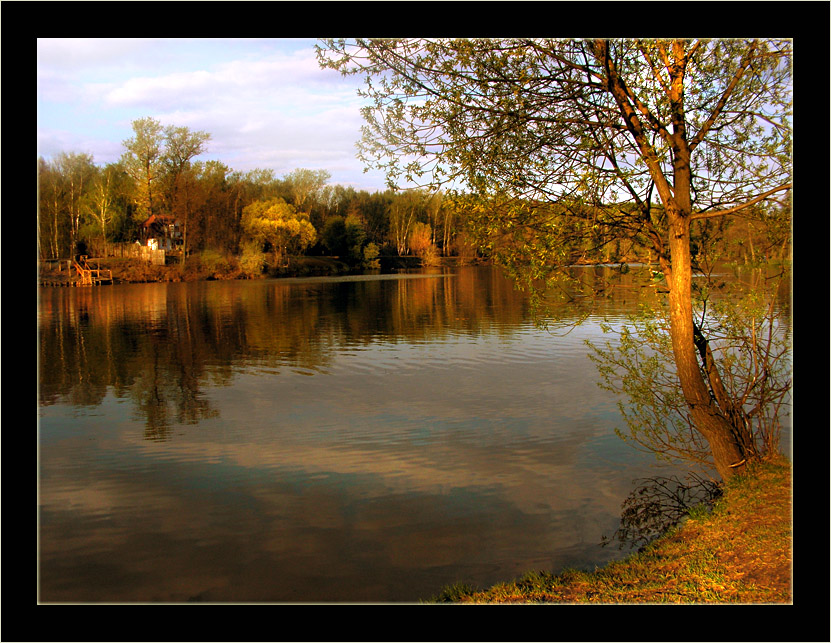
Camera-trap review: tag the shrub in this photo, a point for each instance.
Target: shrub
(371, 260)
(252, 260)
(212, 261)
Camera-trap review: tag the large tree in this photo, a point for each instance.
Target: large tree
(142, 160)
(643, 136)
(279, 226)
(182, 145)
(77, 171)
(302, 184)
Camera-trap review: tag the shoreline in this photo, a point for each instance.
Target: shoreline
(136, 271)
(740, 553)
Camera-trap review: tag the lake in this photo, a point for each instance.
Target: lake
(351, 439)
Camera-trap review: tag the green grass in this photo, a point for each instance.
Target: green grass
(738, 553)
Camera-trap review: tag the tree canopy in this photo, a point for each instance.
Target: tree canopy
(573, 121)
(627, 137)
(278, 224)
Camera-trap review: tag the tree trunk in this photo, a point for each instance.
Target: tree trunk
(729, 454)
(713, 422)
(56, 251)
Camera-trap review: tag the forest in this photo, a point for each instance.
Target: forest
(256, 220)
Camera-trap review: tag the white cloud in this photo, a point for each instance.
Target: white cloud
(75, 54)
(266, 103)
(182, 88)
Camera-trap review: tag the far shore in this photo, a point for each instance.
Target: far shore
(137, 271)
(126, 270)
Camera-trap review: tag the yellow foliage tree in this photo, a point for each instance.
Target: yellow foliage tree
(276, 224)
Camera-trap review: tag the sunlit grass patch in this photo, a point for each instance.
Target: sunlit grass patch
(740, 552)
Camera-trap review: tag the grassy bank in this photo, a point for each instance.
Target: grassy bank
(739, 553)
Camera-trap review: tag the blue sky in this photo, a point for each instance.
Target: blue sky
(265, 102)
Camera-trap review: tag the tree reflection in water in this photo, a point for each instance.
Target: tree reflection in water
(161, 344)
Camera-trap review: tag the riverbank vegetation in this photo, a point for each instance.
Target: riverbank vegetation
(158, 195)
(738, 551)
(218, 223)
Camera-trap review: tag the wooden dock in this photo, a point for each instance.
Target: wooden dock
(72, 272)
(91, 276)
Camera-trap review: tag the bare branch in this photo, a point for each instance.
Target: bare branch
(742, 206)
(723, 100)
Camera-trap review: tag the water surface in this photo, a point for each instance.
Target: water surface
(358, 439)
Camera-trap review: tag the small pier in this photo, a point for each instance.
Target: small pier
(92, 276)
(78, 272)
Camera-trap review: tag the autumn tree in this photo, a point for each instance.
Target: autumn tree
(278, 226)
(242, 189)
(652, 135)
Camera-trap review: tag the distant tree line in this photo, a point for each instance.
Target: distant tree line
(228, 211)
(261, 218)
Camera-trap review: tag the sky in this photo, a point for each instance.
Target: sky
(266, 103)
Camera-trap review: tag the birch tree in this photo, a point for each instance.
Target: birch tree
(402, 216)
(101, 200)
(51, 194)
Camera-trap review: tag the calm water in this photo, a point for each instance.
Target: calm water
(358, 439)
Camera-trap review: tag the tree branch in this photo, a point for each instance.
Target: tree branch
(721, 213)
(723, 100)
